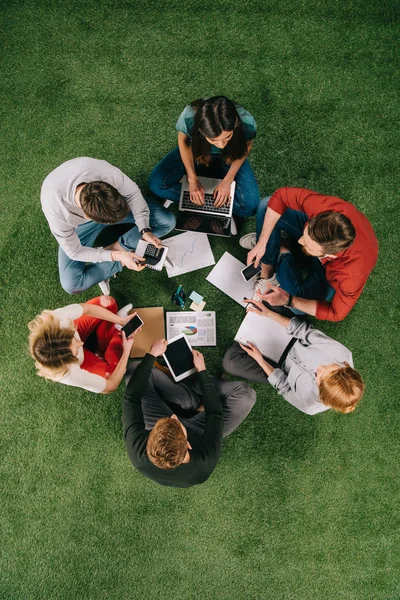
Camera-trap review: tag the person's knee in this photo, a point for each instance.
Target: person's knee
(162, 221)
(228, 360)
(70, 284)
(169, 220)
(107, 301)
(248, 398)
(262, 206)
(155, 181)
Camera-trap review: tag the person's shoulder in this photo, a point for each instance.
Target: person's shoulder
(186, 119)
(249, 123)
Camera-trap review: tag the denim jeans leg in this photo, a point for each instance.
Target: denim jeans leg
(247, 195)
(272, 248)
(77, 276)
(164, 180)
(313, 287)
(292, 222)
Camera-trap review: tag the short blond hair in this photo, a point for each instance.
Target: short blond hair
(50, 346)
(167, 444)
(341, 389)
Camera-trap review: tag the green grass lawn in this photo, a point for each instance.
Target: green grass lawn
(299, 508)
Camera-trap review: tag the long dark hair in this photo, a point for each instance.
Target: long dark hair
(213, 116)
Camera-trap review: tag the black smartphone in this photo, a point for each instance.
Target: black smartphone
(250, 271)
(132, 325)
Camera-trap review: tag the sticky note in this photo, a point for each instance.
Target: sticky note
(197, 307)
(196, 297)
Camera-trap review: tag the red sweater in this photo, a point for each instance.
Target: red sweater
(349, 271)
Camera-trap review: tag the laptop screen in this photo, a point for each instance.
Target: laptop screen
(189, 221)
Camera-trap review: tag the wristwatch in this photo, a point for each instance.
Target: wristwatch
(145, 230)
(289, 302)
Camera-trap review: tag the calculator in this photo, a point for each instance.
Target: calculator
(153, 254)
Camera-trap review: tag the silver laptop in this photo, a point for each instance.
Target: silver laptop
(208, 207)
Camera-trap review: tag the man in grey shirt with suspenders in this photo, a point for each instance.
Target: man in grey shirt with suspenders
(79, 199)
(314, 374)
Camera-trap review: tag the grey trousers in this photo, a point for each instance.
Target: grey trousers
(238, 362)
(237, 399)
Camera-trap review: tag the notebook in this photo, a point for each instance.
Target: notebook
(267, 335)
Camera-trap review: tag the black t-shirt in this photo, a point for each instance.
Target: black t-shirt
(206, 448)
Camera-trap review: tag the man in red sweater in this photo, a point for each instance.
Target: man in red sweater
(337, 239)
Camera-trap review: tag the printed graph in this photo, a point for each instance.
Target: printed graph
(188, 252)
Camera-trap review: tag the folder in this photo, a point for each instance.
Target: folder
(153, 329)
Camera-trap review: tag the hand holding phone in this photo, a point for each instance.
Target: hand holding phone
(132, 326)
(250, 271)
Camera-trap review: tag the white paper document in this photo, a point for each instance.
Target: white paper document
(227, 277)
(198, 327)
(270, 338)
(188, 252)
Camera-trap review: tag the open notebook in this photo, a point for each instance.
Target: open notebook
(268, 336)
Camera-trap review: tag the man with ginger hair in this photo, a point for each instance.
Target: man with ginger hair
(179, 452)
(314, 374)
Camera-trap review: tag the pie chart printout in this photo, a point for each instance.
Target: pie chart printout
(189, 330)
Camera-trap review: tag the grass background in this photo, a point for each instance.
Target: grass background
(298, 508)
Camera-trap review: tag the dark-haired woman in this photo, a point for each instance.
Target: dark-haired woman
(214, 140)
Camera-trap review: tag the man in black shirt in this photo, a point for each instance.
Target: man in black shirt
(184, 452)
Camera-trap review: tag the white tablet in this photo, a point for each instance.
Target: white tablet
(179, 357)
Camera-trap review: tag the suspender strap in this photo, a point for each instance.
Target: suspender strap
(286, 351)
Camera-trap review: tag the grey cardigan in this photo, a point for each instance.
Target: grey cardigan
(296, 380)
(63, 215)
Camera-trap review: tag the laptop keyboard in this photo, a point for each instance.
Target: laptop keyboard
(208, 205)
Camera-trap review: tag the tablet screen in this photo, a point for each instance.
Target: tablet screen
(179, 356)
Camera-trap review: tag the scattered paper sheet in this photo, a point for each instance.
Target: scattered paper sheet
(227, 277)
(188, 252)
(198, 327)
(196, 297)
(270, 338)
(197, 307)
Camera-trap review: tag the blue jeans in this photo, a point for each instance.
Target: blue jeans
(164, 181)
(288, 270)
(77, 276)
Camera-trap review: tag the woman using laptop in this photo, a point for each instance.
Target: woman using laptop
(57, 343)
(215, 137)
(317, 373)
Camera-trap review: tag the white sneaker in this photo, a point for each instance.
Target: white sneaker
(248, 241)
(105, 287)
(233, 227)
(123, 312)
(262, 285)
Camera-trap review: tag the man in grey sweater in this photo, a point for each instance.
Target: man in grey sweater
(79, 199)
